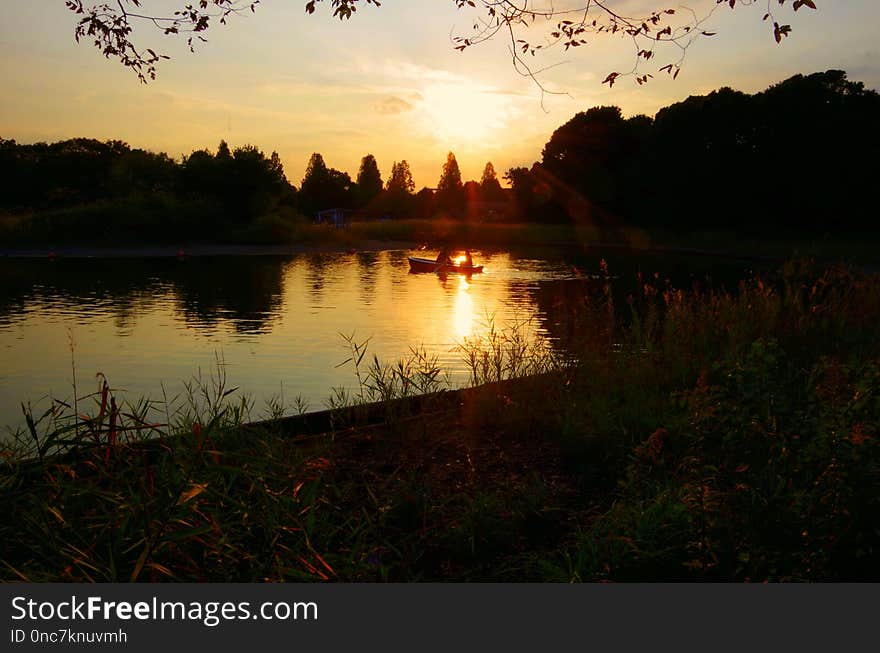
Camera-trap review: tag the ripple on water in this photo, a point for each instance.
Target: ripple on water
(273, 320)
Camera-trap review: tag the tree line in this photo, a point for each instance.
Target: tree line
(324, 187)
(237, 184)
(800, 155)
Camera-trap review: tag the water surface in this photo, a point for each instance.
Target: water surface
(276, 322)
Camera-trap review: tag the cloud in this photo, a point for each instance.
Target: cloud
(284, 88)
(392, 106)
(413, 71)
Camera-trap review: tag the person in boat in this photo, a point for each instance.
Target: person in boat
(443, 257)
(468, 259)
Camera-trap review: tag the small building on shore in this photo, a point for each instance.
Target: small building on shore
(336, 217)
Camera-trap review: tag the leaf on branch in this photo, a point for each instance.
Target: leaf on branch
(780, 30)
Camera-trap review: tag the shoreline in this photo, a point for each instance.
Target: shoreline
(369, 245)
(204, 250)
(197, 250)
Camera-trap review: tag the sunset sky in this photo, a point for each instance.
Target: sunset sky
(387, 82)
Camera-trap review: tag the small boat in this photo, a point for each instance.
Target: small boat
(430, 265)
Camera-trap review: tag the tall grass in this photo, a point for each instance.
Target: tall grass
(508, 352)
(106, 418)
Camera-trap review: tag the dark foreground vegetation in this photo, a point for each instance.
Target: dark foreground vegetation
(688, 434)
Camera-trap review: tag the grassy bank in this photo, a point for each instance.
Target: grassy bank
(151, 220)
(163, 220)
(689, 434)
(166, 220)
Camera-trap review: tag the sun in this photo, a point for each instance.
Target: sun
(465, 113)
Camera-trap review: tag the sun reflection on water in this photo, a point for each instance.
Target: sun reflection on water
(463, 310)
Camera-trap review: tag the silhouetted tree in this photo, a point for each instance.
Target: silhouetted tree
(314, 187)
(223, 152)
(341, 188)
(199, 174)
(425, 204)
(450, 175)
(254, 182)
(316, 171)
(401, 180)
(490, 188)
(471, 191)
(790, 157)
(587, 154)
(65, 173)
(276, 169)
(522, 186)
(450, 196)
(533, 195)
(397, 200)
(323, 187)
(817, 138)
(139, 172)
(708, 142)
(241, 183)
(472, 201)
(369, 181)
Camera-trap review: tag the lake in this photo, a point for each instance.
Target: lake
(277, 322)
